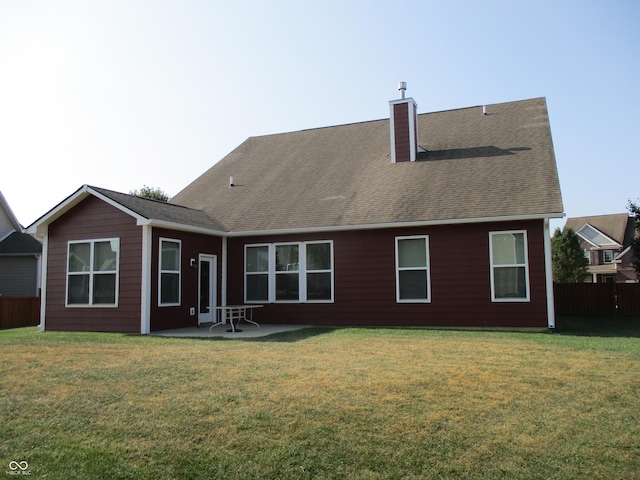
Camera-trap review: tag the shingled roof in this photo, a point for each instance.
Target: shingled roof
(162, 211)
(18, 243)
(475, 166)
(146, 210)
(616, 226)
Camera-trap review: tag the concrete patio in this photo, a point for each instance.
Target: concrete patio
(247, 330)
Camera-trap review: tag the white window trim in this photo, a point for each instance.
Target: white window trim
(303, 251)
(91, 274)
(427, 268)
(604, 257)
(302, 272)
(267, 273)
(161, 271)
(302, 294)
(525, 265)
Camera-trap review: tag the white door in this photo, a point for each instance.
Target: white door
(207, 268)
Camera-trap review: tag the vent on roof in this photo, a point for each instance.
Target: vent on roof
(404, 128)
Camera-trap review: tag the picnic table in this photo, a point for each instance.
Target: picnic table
(235, 313)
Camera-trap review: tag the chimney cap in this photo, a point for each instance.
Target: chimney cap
(402, 86)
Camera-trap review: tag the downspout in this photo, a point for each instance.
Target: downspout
(551, 309)
(145, 281)
(223, 287)
(43, 279)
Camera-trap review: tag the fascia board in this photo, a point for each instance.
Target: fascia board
(40, 225)
(587, 240)
(113, 203)
(623, 253)
(70, 202)
(10, 214)
(612, 244)
(181, 227)
(376, 226)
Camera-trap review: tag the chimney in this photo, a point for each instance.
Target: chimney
(404, 128)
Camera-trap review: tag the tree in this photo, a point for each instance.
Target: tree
(634, 209)
(151, 193)
(567, 257)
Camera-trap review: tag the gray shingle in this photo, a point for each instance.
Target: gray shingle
(614, 225)
(163, 211)
(475, 166)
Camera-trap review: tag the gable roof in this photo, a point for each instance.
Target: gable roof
(19, 243)
(615, 226)
(476, 167)
(145, 211)
(8, 221)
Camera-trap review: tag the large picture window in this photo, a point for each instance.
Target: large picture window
(412, 269)
(169, 271)
(92, 272)
(289, 272)
(509, 266)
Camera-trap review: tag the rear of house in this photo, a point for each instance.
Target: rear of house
(437, 219)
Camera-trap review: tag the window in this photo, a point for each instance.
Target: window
(607, 256)
(92, 273)
(412, 269)
(587, 255)
(289, 272)
(509, 266)
(319, 271)
(169, 272)
(257, 273)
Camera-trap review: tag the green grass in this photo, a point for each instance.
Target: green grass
(342, 403)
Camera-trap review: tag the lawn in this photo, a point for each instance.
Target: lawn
(345, 403)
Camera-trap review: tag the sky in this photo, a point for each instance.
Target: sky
(121, 94)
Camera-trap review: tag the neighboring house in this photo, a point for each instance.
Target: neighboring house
(20, 256)
(438, 219)
(606, 241)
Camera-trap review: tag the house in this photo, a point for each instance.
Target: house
(606, 241)
(20, 256)
(438, 219)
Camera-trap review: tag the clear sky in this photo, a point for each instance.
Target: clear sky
(125, 93)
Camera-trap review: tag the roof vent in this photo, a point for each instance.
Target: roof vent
(402, 86)
(231, 182)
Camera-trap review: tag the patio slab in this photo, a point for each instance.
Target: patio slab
(220, 331)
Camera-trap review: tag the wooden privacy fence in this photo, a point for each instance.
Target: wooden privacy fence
(19, 312)
(597, 298)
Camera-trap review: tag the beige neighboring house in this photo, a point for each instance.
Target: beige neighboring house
(606, 240)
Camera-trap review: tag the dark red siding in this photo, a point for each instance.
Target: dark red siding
(401, 132)
(365, 291)
(93, 219)
(193, 245)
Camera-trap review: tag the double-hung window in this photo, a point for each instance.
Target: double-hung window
(169, 272)
(509, 266)
(92, 273)
(413, 283)
(257, 273)
(289, 272)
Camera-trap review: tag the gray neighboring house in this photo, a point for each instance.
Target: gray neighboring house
(20, 256)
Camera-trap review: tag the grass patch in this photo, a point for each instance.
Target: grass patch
(333, 404)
